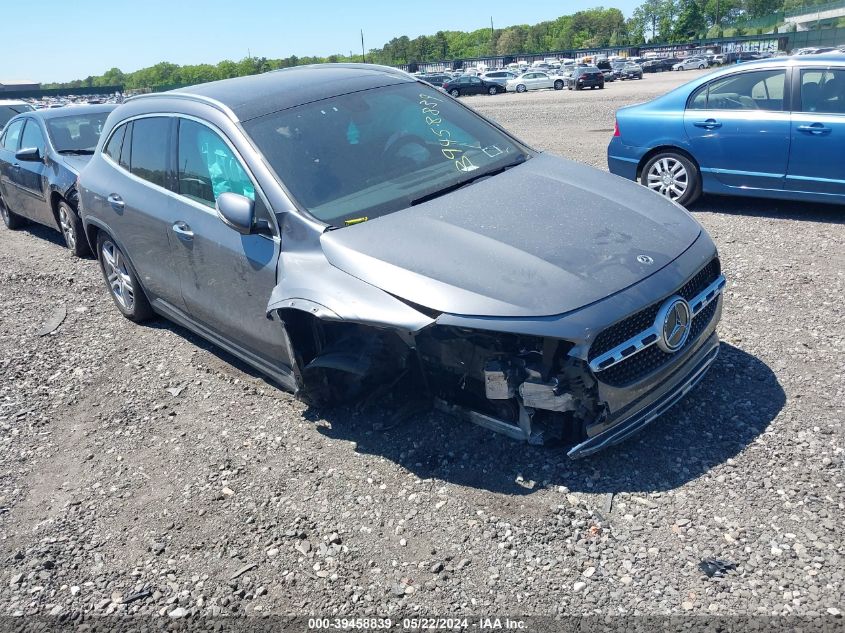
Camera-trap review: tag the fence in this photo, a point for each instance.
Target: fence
(816, 8)
(61, 92)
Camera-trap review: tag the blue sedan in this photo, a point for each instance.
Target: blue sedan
(773, 128)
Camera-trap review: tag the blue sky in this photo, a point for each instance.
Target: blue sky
(132, 34)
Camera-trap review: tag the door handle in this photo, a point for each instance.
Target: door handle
(16, 166)
(116, 201)
(183, 231)
(709, 124)
(816, 129)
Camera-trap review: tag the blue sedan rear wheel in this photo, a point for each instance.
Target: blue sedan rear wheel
(673, 176)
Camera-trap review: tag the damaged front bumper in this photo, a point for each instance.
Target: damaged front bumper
(654, 404)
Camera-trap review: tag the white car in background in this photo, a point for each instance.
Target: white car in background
(534, 80)
(693, 63)
(500, 77)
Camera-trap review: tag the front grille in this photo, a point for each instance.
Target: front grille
(651, 358)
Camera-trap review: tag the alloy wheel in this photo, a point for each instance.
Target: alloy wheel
(66, 224)
(669, 178)
(117, 273)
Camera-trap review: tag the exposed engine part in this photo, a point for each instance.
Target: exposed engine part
(546, 396)
(525, 387)
(522, 431)
(500, 380)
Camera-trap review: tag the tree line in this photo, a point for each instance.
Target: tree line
(653, 21)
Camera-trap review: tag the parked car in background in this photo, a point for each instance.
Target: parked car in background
(337, 263)
(9, 109)
(627, 70)
(500, 77)
(773, 128)
(693, 63)
(470, 85)
(607, 69)
(436, 79)
(534, 80)
(659, 65)
(586, 77)
(41, 154)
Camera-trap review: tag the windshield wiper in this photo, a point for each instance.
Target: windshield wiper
(76, 152)
(468, 181)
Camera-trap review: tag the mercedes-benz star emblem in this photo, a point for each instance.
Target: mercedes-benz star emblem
(645, 259)
(673, 321)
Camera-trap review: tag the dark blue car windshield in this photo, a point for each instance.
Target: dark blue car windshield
(365, 154)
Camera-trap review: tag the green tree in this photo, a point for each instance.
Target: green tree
(690, 22)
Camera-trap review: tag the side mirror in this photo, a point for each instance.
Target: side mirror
(31, 154)
(237, 212)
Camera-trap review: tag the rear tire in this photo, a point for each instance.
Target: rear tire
(71, 227)
(682, 183)
(11, 219)
(122, 281)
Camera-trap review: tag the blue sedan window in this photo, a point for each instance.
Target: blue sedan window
(760, 90)
(823, 90)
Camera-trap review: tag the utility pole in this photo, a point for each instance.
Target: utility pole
(492, 37)
(718, 16)
(363, 54)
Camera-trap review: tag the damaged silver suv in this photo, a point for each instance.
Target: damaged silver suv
(340, 227)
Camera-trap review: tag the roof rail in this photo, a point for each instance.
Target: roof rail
(191, 97)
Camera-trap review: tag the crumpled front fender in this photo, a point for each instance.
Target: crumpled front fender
(310, 284)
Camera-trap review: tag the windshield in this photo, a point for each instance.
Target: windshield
(77, 134)
(357, 156)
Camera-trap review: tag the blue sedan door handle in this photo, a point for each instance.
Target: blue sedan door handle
(709, 124)
(816, 129)
(115, 201)
(183, 231)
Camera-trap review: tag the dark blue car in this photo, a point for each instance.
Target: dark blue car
(773, 128)
(41, 154)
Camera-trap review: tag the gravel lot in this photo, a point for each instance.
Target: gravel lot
(143, 471)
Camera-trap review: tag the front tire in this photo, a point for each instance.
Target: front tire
(673, 176)
(122, 281)
(455, 92)
(521, 88)
(492, 91)
(11, 219)
(71, 227)
(558, 85)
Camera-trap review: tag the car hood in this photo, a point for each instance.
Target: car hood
(543, 238)
(74, 162)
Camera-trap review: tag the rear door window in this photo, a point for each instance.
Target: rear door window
(115, 144)
(823, 91)
(150, 144)
(12, 136)
(126, 150)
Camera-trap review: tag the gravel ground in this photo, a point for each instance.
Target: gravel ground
(143, 471)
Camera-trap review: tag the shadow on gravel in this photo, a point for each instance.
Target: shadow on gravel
(42, 232)
(775, 209)
(734, 404)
